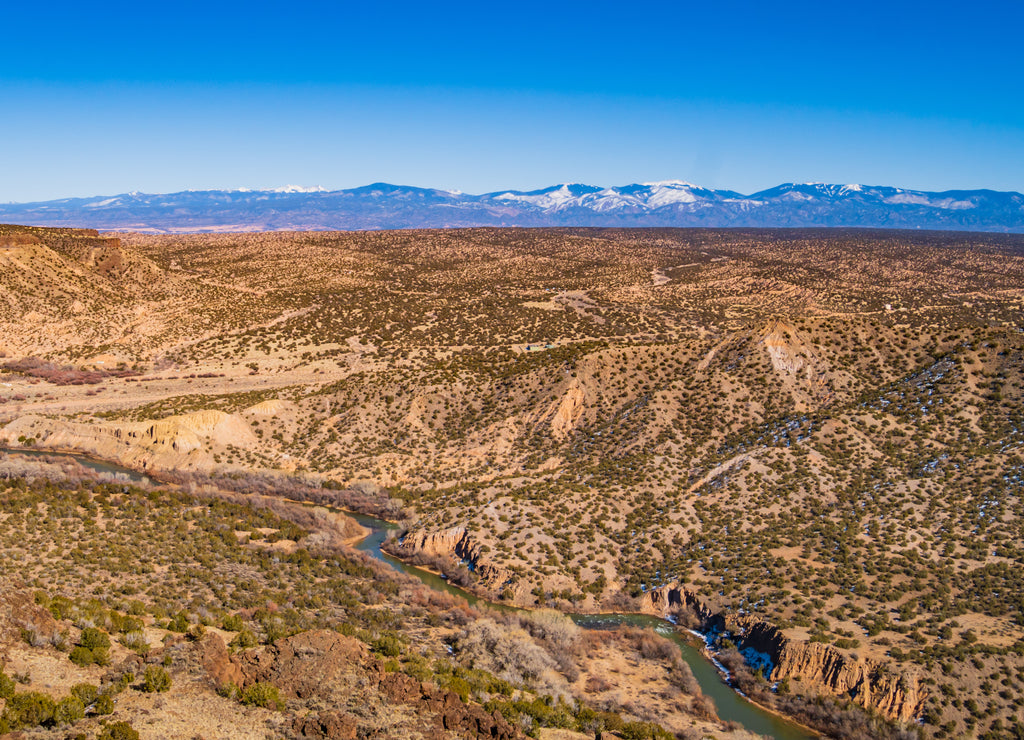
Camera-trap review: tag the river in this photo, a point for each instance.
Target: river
(731, 705)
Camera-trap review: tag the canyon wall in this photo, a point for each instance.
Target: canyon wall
(818, 668)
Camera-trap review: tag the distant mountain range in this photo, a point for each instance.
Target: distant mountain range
(671, 203)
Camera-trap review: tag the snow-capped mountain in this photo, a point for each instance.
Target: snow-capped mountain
(668, 203)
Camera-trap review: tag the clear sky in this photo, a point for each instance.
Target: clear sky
(104, 98)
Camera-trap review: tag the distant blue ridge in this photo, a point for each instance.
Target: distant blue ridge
(663, 204)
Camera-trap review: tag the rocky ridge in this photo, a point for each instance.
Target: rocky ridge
(333, 674)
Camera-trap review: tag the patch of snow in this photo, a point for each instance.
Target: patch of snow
(905, 198)
(553, 199)
(299, 189)
(671, 183)
(953, 205)
(920, 199)
(665, 194)
(100, 204)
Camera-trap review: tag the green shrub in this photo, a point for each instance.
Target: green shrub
(244, 639)
(118, 731)
(69, 709)
(136, 641)
(232, 623)
(86, 693)
(101, 656)
(30, 709)
(6, 686)
(643, 731)
(122, 683)
(261, 694)
(94, 638)
(179, 623)
(104, 704)
(81, 656)
(155, 679)
(388, 645)
(460, 686)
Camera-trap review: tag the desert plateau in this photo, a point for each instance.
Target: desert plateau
(801, 447)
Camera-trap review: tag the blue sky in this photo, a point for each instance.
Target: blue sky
(108, 98)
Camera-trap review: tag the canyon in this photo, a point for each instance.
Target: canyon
(805, 445)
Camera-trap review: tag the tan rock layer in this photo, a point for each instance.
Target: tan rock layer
(868, 683)
(456, 542)
(175, 441)
(821, 668)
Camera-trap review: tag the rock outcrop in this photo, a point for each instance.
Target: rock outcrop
(457, 543)
(825, 670)
(13, 241)
(449, 542)
(820, 668)
(451, 713)
(20, 615)
(795, 363)
(179, 441)
(318, 663)
(327, 725)
(329, 673)
(659, 601)
(270, 407)
(217, 663)
(569, 411)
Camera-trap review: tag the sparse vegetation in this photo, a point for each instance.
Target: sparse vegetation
(818, 429)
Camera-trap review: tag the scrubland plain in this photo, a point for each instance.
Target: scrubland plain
(809, 441)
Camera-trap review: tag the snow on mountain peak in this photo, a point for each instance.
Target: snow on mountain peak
(299, 189)
(672, 183)
(549, 199)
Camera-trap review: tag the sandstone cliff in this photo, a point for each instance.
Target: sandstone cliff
(454, 541)
(659, 601)
(180, 441)
(796, 364)
(819, 668)
(825, 670)
(569, 410)
(457, 543)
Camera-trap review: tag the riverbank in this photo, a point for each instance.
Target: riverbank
(693, 645)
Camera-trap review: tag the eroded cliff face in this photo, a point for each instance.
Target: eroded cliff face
(823, 669)
(182, 441)
(457, 543)
(659, 601)
(796, 364)
(816, 667)
(570, 410)
(454, 541)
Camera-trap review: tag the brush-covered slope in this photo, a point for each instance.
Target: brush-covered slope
(818, 430)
